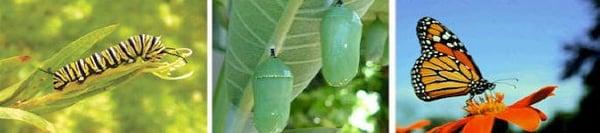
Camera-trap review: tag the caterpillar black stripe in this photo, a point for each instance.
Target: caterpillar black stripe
(146, 47)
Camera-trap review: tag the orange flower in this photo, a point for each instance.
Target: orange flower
(485, 111)
(417, 125)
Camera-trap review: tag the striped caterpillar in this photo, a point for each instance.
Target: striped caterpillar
(146, 47)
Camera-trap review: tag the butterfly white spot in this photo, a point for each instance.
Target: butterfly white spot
(436, 38)
(446, 36)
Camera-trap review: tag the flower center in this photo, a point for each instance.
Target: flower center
(486, 105)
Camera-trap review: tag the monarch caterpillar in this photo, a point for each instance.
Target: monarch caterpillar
(340, 44)
(445, 69)
(146, 47)
(273, 83)
(374, 42)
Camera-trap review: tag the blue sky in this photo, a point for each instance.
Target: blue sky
(507, 39)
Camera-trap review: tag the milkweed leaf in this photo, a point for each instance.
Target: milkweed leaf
(75, 92)
(253, 24)
(314, 130)
(30, 118)
(38, 80)
(9, 68)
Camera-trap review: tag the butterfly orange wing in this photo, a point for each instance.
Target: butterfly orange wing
(444, 68)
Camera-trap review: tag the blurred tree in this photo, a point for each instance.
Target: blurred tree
(583, 54)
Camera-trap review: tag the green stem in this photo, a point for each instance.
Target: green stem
(284, 25)
(221, 104)
(244, 110)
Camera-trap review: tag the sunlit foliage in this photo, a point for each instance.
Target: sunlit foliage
(147, 103)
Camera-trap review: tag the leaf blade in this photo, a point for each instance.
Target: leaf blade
(30, 118)
(251, 30)
(70, 52)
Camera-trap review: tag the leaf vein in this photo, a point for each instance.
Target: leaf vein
(262, 11)
(237, 14)
(303, 61)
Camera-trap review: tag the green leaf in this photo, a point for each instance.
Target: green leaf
(314, 130)
(9, 68)
(378, 10)
(93, 85)
(251, 28)
(96, 83)
(257, 25)
(40, 81)
(33, 119)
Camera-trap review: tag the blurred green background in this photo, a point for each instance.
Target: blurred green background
(145, 104)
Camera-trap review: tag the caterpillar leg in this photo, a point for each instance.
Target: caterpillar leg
(471, 97)
(80, 79)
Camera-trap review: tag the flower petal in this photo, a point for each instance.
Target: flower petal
(527, 119)
(450, 127)
(403, 130)
(479, 124)
(535, 97)
(417, 125)
(543, 116)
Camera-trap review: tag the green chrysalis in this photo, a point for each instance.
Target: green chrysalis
(340, 45)
(373, 44)
(273, 83)
(386, 54)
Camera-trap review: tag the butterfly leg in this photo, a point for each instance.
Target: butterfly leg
(471, 97)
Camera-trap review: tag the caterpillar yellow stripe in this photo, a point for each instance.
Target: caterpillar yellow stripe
(145, 47)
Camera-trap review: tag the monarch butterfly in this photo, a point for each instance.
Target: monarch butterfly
(445, 69)
(146, 47)
(340, 44)
(273, 83)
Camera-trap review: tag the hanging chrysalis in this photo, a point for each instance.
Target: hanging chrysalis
(373, 44)
(273, 83)
(340, 44)
(386, 55)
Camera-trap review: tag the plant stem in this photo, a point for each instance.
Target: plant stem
(284, 25)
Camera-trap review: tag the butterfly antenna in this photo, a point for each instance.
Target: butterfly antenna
(501, 81)
(507, 84)
(471, 96)
(508, 79)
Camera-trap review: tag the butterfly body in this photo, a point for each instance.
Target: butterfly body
(444, 68)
